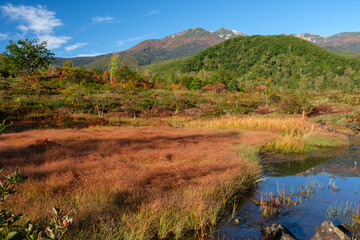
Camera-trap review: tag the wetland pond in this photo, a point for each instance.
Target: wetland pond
(315, 190)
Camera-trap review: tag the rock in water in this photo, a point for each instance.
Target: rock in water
(327, 230)
(276, 232)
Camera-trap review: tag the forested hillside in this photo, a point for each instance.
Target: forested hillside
(283, 62)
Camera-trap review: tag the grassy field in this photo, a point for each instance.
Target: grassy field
(132, 183)
(166, 162)
(150, 182)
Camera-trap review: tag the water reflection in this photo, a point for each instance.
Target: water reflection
(339, 171)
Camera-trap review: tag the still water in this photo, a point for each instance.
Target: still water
(337, 181)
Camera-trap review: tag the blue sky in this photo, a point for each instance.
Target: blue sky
(86, 28)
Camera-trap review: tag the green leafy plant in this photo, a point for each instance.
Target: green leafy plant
(58, 225)
(8, 220)
(3, 126)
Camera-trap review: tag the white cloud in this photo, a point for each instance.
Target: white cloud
(3, 36)
(103, 19)
(75, 46)
(38, 20)
(89, 54)
(23, 28)
(97, 20)
(153, 12)
(122, 42)
(54, 41)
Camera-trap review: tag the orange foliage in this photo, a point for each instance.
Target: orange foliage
(102, 173)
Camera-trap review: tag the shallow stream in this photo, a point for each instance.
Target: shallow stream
(335, 184)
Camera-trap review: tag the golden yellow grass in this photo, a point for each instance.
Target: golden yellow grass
(291, 126)
(131, 183)
(297, 136)
(312, 142)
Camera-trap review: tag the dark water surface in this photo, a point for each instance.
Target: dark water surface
(301, 220)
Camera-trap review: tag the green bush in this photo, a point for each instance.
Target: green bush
(293, 103)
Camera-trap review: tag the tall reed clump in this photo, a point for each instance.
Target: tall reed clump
(249, 152)
(288, 126)
(310, 142)
(271, 203)
(284, 145)
(194, 209)
(297, 135)
(346, 212)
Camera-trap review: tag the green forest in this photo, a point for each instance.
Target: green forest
(282, 62)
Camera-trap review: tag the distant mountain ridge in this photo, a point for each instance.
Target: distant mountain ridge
(194, 40)
(197, 36)
(344, 43)
(183, 44)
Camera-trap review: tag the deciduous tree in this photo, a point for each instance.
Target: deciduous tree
(27, 56)
(114, 66)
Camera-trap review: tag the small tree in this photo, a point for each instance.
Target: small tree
(68, 63)
(265, 87)
(27, 56)
(100, 104)
(114, 66)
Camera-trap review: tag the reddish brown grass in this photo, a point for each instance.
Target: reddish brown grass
(111, 176)
(263, 110)
(321, 109)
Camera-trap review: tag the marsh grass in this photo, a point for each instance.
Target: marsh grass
(325, 140)
(346, 212)
(132, 183)
(249, 152)
(271, 203)
(196, 209)
(297, 136)
(288, 126)
(284, 145)
(173, 121)
(146, 182)
(309, 143)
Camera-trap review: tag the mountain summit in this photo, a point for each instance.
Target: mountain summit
(183, 44)
(225, 33)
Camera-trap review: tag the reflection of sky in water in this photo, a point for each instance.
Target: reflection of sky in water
(301, 221)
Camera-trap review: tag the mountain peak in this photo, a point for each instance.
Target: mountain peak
(225, 33)
(313, 38)
(223, 29)
(182, 44)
